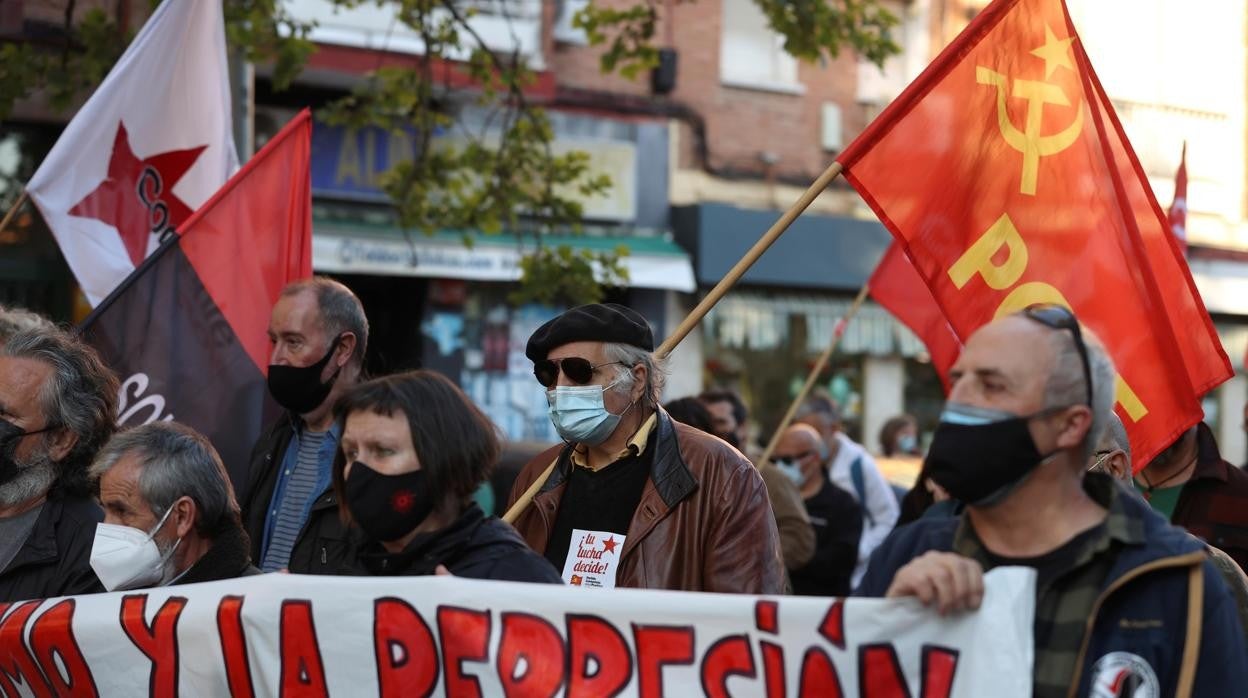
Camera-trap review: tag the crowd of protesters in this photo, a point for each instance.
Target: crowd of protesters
(1029, 465)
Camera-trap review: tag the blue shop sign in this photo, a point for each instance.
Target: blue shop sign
(348, 163)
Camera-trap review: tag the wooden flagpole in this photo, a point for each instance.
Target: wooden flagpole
(17, 206)
(695, 316)
(814, 375)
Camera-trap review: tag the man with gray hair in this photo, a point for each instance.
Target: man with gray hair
(1113, 451)
(1029, 400)
(57, 408)
(170, 516)
(634, 498)
(319, 334)
(14, 319)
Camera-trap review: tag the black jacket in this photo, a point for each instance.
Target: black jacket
(473, 546)
(55, 560)
(323, 546)
(228, 558)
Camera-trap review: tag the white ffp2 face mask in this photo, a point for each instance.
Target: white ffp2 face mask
(124, 557)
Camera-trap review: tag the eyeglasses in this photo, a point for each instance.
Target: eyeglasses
(795, 458)
(578, 370)
(1061, 318)
(1101, 457)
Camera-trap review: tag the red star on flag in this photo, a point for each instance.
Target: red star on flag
(137, 196)
(608, 545)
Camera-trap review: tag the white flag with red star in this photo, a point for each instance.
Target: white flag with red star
(149, 147)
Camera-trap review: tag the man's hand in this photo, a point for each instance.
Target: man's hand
(954, 582)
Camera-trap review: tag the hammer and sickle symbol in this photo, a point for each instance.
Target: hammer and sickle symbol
(1029, 141)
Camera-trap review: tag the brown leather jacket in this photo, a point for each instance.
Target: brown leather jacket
(703, 523)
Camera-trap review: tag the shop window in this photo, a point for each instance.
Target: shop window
(751, 55)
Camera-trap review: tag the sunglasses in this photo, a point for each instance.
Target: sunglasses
(578, 370)
(1061, 318)
(795, 458)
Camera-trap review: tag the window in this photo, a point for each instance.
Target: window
(751, 54)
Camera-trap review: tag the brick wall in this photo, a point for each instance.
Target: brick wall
(740, 123)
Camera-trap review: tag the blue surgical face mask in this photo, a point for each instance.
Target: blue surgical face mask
(579, 414)
(907, 443)
(791, 470)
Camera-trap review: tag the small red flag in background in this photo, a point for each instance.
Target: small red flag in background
(1003, 173)
(897, 286)
(1177, 215)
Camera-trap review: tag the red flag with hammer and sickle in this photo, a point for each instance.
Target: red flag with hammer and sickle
(1005, 175)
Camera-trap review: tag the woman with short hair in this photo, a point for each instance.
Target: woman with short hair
(414, 448)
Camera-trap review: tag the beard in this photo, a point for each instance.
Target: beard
(32, 479)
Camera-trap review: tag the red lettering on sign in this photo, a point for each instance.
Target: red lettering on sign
(833, 625)
(766, 616)
(592, 639)
(234, 647)
(659, 646)
(730, 656)
(303, 672)
(819, 677)
(465, 638)
(537, 642)
(54, 645)
(773, 669)
(879, 673)
(17, 665)
(407, 655)
(940, 664)
(158, 641)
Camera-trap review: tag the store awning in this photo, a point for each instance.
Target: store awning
(381, 250)
(817, 252)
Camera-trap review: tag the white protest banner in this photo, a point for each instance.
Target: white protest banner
(292, 635)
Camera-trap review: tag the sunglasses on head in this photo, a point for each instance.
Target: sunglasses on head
(578, 370)
(1061, 318)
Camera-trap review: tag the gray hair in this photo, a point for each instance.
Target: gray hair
(629, 356)
(1115, 435)
(80, 395)
(1066, 386)
(177, 462)
(14, 320)
(341, 311)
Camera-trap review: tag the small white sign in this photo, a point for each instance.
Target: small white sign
(593, 558)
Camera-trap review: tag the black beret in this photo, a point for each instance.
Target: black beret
(596, 322)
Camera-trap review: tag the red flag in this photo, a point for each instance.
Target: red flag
(1177, 215)
(1004, 174)
(270, 197)
(186, 331)
(897, 286)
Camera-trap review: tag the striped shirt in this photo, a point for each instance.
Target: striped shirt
(290, 511)
(1069, 583)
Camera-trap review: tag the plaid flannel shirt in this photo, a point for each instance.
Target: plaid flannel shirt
(1064, 604)
(1213, 505)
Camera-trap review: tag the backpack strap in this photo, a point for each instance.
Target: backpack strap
(860, 487)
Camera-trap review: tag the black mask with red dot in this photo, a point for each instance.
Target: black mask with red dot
(387, 507)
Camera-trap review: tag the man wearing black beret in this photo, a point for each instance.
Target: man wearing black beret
(636, 499)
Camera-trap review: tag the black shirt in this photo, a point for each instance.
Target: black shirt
(837, 520)
(1054, 563)
(602, 500)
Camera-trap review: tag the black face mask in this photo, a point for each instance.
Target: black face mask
(10, 436)
(299, 388)
(979, 456)
(387, 507)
